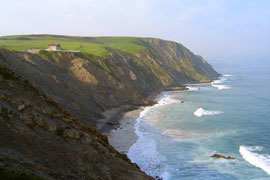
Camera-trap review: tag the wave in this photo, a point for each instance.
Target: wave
(259, 160)
(164, 100)
(228, 75)
(200, 112)
(219, 81)
(220, 86)
(144, 151)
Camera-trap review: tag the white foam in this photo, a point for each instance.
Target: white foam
(219, 81)
(165, 176)
(164, 100)
(259, 160)
(193, 88)
(144, 151)
(200, 112)
(220, 86)
(228, 75)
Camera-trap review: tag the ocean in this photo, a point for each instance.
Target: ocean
(230, 117)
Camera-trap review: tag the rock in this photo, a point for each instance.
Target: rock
(111, 124)
(57, 115)
(51, 127)
(2, 96)
(21, 107)
(67, 120)
(39, 122)
(28, 121)
(218, 156)
(27, 104)
(71, 133)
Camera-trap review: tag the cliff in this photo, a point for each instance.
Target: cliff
(39, 137)
(87, 85)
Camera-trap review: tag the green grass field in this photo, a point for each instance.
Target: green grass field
(90, 45)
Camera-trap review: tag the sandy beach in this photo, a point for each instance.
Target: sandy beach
(124, 136)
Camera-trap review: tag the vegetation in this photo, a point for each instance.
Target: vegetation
(91, 45)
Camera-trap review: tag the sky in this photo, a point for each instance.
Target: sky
(211, 28)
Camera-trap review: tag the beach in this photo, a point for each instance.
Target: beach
(119, 124)
(124, 136)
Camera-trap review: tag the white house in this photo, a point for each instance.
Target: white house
(54, 47)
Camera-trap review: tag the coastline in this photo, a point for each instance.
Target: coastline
(121, 134)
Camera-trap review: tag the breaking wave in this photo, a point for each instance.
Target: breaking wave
(164, 100)
(200, 112)
(220, 86)
(193, 88)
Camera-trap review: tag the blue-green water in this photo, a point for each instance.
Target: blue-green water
(230, 117)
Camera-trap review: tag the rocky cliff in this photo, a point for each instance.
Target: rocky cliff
(39, 137)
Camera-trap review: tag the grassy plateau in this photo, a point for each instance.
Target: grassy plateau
(90, 45)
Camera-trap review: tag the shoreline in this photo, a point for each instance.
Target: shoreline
(121, 135)
(119, 123)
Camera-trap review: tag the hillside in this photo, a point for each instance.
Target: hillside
(39, 137)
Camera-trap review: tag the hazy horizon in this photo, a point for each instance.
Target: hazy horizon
(213, 29)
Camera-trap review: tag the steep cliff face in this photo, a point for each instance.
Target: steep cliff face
(39, 139)
(87, 85)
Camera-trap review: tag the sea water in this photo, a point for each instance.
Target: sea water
(230, 116)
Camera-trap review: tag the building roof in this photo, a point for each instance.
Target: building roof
(56, 44)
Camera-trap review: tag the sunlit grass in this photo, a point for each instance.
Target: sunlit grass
(91, 45)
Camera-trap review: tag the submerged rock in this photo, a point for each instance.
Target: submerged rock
(218, 156)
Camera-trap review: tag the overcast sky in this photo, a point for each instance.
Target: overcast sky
(211, 28)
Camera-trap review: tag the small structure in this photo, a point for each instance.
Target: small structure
(54, 47)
